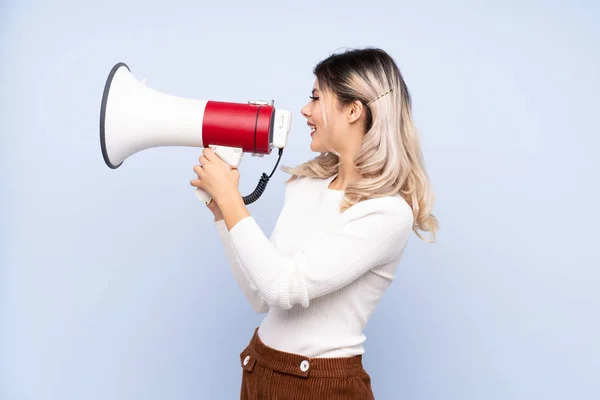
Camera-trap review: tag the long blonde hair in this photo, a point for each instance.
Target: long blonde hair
(390, 160)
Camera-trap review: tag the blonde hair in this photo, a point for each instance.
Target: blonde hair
(389, 160)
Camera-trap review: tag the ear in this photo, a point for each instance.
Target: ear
(355, 111)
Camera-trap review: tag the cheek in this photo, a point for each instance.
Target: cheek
(316, 114)
(332, 125)
(321, 124)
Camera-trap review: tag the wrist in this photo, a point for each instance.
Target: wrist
(233, 209)
(227, 197)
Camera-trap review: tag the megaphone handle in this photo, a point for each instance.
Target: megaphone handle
(203, 196)
(232, 156)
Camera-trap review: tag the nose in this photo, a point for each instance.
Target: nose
(305, 111)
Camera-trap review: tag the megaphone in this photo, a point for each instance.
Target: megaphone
(134, 117)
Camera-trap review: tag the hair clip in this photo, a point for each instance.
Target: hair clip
(379, 97)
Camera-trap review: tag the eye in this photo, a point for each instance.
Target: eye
(314, 98)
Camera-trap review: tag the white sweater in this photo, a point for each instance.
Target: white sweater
(321, 273)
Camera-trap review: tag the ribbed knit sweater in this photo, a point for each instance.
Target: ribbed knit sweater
(320, 274)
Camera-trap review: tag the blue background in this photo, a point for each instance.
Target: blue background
(114, 285)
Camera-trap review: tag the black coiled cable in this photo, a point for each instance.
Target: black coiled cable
(262, 184)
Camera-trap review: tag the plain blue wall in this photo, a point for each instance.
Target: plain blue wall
(113, 284)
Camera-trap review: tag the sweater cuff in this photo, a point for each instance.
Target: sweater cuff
(244, 233)
(221, 227)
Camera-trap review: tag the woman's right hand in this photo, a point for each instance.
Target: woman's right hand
(214, 207)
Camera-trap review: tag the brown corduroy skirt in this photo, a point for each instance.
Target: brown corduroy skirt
(269, 374)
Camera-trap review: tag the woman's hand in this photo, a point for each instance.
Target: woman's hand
(216, 177)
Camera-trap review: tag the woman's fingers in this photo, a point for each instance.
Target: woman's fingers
(199, 171)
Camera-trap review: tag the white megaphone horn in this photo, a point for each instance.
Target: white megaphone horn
(134, 117)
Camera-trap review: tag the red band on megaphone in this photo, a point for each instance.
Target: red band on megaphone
(238, 125)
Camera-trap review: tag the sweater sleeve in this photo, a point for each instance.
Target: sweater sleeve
(372, 233)
(250, 291)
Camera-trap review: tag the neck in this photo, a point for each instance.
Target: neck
(347, 173)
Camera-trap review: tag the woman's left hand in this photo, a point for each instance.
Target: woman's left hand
(215, 176)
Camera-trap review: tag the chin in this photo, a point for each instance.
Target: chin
(316, 148)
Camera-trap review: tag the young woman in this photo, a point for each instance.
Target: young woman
(346, 218)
